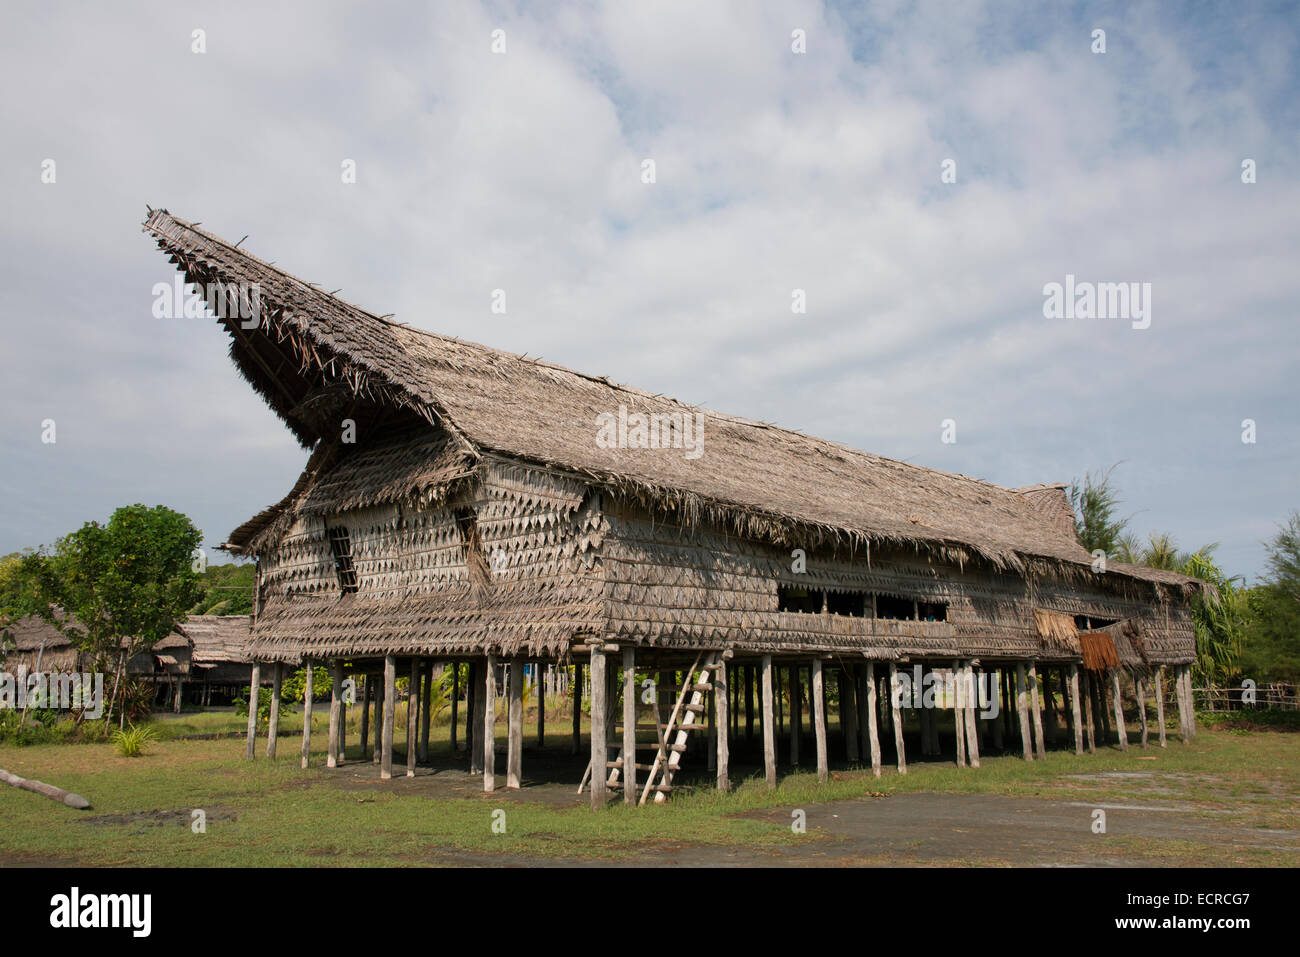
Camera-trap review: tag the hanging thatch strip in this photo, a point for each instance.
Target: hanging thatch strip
(1098, 651)
(312, 353)
(1057, 629)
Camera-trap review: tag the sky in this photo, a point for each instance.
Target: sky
(921, 173)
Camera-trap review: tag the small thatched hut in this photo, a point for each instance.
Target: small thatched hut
(219, 662)
(466, 504)
(210, 652)
(38, 646)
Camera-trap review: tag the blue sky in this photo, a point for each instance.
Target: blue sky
(775, 171)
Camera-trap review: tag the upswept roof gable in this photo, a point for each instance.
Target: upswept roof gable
(312, 353)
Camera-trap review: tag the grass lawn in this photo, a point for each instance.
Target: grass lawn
(266, 813)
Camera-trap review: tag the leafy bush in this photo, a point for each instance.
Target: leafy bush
(294, 685)
(1252, 719)
(264, 705)
(131, 741)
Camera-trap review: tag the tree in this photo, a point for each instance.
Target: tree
(128, 582)
(1284, 560)
(1219, 618)
(1094, 503)
(1272, 645)
(227, 590)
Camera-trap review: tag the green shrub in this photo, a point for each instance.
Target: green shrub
(263, 705)
(131, 741)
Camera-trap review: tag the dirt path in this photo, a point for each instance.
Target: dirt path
(953, 829)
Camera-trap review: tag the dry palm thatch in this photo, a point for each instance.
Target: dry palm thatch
(1098, 651)
(312, 356)
(1057, 629)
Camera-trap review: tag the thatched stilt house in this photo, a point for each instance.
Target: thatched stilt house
(465, 504)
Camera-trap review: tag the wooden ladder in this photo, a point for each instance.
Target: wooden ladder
(685, 718)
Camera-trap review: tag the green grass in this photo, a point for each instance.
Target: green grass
(266, 813)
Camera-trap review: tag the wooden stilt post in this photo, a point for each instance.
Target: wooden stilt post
(995, 723)
(577, 706)
(455, 704)
(390, 707)
(749, 703)
(515, 721)
(254, 701)
(1139, 689)
(343, 726)
(367, 693)
(782, 683)
(629, 726)
(488, 726)
(1022, 709)
(958, 713)
(1036, 713)
(848, 710)
(306, 715)
(769, 723)
(972, 701)
(710, 719)
(1099, 692)
(474, 715)
(1183, 689)
(1120, 729)
(336, 706)
(1074, 709)
(872, 731)
(426, 709)
(599, 731)
(1160, 703)
(1089, 718)
(381, 695)
(723, 743)
(1050, 723)
(923, 720)
(412, 716)
(1062, 675)
(896, 719)
(819, 721)
(539, 691)
(796, 714)
(273, 730)
(864, 677)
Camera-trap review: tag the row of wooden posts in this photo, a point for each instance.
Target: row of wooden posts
(869, 704)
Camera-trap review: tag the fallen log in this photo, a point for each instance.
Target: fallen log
(49, 790)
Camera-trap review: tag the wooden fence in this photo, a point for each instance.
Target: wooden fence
(1280, 696)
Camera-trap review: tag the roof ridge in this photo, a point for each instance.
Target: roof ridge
(603, 380)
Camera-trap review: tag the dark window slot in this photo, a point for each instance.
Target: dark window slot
(849, 604)
(806, 600)
(341, 549)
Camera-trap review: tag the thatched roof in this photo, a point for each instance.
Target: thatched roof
(31, 632)
(218, 639)
(315, 358)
